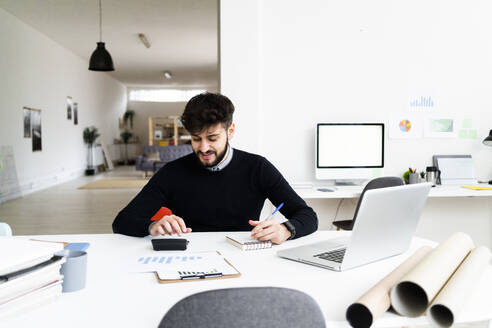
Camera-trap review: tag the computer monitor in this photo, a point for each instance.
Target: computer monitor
(348, 151)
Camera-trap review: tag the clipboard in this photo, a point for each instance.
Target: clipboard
(226, 276)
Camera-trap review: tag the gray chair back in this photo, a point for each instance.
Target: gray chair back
(377, 183)
(269, 307)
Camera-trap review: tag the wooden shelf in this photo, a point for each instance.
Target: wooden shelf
(169, 128)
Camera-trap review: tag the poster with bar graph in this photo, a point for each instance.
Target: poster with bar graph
(421, 103)
(422, 97)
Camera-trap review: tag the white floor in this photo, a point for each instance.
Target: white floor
(64, 209)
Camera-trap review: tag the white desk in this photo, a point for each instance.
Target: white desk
(113, 298)
(355, 191)
(448, 209)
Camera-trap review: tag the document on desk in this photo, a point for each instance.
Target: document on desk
(172, 265)
(477, 187)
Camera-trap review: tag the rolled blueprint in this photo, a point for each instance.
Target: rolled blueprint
(376, 300)
(412, 295)
(448, 303)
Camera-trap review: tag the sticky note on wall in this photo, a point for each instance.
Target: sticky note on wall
(467, 134)
(467, 123)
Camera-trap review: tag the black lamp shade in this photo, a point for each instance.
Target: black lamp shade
(101, 59)
(488, 141)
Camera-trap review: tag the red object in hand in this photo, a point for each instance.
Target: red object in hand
(164, 211)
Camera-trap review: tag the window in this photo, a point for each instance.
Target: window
(163, 95)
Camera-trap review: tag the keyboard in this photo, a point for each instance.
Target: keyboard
(335, 256)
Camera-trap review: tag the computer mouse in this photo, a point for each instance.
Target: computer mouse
(326, 189)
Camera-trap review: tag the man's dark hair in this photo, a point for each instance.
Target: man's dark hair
(207, 109)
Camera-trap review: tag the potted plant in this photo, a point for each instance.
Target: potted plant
(128, 118)
(90, 135)
(126, 136)
(406, 176)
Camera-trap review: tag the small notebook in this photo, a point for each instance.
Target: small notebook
(246, 243)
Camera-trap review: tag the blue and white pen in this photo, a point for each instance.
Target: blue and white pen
(273, 213)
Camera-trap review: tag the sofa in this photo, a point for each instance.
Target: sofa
(155, 157)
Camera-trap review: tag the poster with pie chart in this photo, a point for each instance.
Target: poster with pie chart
(405, 126)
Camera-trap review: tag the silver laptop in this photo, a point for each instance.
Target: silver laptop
(384, 227)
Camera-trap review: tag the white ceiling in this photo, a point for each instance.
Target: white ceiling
(183, 34)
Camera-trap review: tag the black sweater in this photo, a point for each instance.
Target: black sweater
(215, 201)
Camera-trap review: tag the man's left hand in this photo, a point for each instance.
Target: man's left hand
(269, 230)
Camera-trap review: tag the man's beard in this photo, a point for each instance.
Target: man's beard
(218, 159)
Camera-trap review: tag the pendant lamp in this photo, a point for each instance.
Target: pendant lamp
(101, 59)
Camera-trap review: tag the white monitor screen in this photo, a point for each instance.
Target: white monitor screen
(350, 145)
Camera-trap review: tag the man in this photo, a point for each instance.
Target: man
(216, 188)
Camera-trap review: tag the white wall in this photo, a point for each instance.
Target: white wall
(39, 73)
(240, 73)
(288, 65)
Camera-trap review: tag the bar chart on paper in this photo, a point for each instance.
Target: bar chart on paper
(170, 259)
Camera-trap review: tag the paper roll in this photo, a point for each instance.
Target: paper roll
(412, 295)
(376, 300)
(448, 303)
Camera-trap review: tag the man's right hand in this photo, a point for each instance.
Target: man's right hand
(168, 225)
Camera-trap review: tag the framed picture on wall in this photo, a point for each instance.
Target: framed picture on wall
(26, 112)
(440, 127)
(36, 129)
(405, 125)
(69, 107)
(75, 113)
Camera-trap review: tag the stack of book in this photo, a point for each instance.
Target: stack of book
(29, 274)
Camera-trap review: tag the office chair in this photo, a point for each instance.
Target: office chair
(5, 229)
(255, 307)
(377, 183)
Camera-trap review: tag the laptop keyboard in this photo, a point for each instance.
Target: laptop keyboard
(335, 256)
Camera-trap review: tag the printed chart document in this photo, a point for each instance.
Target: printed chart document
(183, 265)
